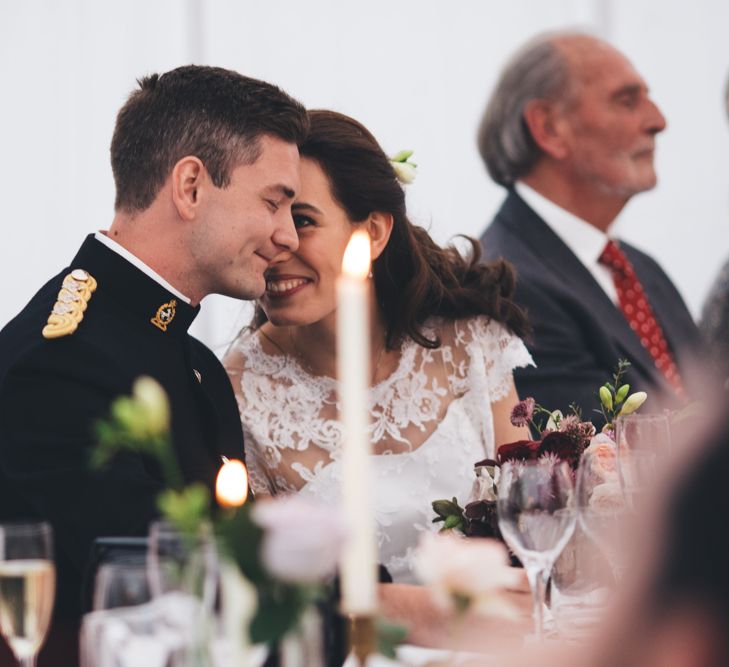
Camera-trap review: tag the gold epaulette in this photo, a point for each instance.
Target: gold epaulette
(72, 301)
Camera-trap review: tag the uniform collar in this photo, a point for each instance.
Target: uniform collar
(133, 259)
(142, 294)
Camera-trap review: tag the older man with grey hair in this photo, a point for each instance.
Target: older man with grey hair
(570, 132)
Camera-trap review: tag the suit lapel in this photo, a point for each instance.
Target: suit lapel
(225, 435)
(562, 264)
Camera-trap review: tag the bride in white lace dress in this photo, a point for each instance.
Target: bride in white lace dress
(443, 346)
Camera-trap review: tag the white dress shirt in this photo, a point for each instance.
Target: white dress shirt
(133, 259)
(585, 241)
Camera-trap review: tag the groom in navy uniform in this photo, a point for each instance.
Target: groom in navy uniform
(570, 132)
(205, 163)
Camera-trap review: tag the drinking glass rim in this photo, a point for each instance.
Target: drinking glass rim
(643, 416)
(25, 527)
(531, 463)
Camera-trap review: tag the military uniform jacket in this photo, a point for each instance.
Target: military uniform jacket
(52, 392)
(579, 334)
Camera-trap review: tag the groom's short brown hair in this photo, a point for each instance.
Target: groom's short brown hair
(212, 113)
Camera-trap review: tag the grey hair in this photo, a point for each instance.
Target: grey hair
(537, 71)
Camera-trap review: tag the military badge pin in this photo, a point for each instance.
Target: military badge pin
(165, 314)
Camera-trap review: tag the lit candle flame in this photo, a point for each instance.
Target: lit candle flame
(357, 258)
(231, 486)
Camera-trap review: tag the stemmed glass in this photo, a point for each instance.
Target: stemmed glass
(27, 587)
(602, 507)
(536, 516)
(122, 583)
(184, 580)
(644, 444)
(183, 563)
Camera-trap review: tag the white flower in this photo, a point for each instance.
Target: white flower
(554, 419)
(487, 479)
(404, 171)
(302, 540)
(150, 396)
(474, 570)
(633, 402)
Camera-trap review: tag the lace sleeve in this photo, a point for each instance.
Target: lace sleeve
(501, 352)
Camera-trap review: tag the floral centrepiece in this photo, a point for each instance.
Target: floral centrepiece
(283, 551)
(560, 438)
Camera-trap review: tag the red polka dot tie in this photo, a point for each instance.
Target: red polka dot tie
(634, 304)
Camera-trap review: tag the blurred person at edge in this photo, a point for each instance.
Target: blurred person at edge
(570, 132)
(680, 616)
(715, 314)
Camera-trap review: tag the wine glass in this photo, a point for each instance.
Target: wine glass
(536, 516)
(27, 587)
(644, 432)
(121, 583)
(602, 506)
(183, 563)
(644, 445)
(184, 581)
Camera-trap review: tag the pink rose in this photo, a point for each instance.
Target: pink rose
(602, 450)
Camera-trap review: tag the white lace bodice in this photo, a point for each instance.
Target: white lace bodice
(431, 420)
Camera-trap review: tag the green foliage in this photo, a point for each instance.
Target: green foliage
(139, 423)
(401, 156)
(188, 509)
(450, 513)
(389, 636)
(615, 398)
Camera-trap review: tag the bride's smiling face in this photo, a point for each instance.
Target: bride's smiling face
(301, 285)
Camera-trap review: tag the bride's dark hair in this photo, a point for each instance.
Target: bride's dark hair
(414, 277)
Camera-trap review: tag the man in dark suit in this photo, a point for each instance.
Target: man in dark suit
(570, 132)
(206, 167)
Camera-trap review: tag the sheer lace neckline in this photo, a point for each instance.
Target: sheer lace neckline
(303, 374)
(291, 417)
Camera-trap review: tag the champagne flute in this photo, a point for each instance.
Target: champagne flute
(27, 587)
(536, 516)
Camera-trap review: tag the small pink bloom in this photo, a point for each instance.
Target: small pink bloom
(603, 451)
(522, 412)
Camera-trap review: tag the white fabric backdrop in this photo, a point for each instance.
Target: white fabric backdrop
(416, 72)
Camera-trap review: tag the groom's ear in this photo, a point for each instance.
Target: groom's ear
(188, 176)
(379, 226)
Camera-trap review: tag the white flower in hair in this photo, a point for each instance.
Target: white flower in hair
(404, 169)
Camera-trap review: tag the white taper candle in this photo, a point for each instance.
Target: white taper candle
(359, 560)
